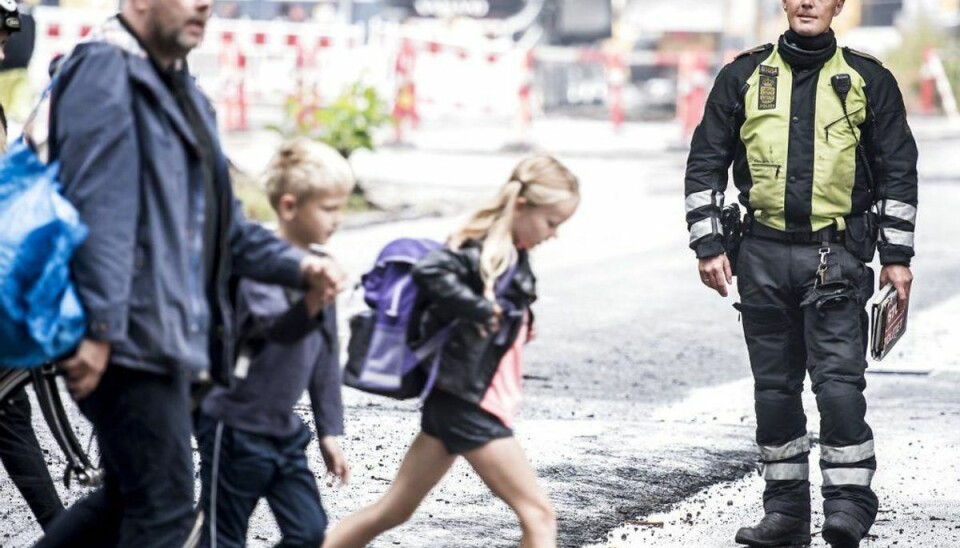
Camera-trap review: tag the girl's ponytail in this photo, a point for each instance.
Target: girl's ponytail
(498, 252)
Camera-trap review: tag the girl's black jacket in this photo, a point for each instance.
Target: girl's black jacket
(450, 288)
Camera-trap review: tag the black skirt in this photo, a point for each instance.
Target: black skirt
(460, 425)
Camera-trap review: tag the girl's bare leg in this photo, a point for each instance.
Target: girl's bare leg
(505, 469)
(424, 465)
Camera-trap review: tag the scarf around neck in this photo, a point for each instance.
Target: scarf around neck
(804, 52)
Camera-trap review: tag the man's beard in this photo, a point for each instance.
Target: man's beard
(175, 43)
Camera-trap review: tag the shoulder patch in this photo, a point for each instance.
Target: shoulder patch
(864, 55)
(758, 49)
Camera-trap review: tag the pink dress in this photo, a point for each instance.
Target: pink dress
(503, 396)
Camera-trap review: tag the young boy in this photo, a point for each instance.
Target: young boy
(252, 442)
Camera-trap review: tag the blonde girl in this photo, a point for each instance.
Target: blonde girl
(483, 286)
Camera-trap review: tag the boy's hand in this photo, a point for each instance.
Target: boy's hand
(325, 276)
(334, 460)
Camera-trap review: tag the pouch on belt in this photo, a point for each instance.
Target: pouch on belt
(860, 237)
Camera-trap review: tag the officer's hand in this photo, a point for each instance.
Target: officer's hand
(715, 273)
(85, 368)
(901, 278)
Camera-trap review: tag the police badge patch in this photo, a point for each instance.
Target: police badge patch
(768, 88)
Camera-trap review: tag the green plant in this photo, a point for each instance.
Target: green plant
(347, 124)
(256, 206)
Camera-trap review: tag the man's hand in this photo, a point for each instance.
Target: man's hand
(333, 458)
(715, 273)
(85, 367)
(901, 277)
(323, 274)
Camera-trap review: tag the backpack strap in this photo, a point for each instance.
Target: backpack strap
(435, 344)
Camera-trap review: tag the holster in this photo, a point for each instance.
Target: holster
(860, 237)
(732, 224)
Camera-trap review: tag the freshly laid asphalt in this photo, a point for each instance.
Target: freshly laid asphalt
(637, 403)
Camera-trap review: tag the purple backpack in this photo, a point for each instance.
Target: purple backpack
(379, 360)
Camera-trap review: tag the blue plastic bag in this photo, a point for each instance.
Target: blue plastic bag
(41, 318)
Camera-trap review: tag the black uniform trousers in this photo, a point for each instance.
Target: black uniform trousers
(793, 327)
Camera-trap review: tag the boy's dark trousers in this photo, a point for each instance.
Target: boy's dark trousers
(23, 459)
(143, 429)
(249, 467)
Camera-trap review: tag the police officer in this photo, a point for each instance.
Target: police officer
(826, 166)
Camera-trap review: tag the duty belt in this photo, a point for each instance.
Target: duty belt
(829, 234)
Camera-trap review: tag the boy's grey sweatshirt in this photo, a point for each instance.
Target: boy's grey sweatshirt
(289, 352)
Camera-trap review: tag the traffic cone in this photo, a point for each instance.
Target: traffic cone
(928, 83)
(524, 118)
(616, 79)
(405, 103)
(693, 81)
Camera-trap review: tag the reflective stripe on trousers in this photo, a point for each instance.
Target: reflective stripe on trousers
(780, 471)
(772, 453)
(847, 476)
(848, 454)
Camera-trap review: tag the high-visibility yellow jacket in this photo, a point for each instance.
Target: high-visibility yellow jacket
(800, 153)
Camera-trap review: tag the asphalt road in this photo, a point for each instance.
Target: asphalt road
(625, 331)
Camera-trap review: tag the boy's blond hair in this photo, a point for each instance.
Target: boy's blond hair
(307, 169)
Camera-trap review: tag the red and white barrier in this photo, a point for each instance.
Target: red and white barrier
(934, 84)
(255, 70)
(405, 114)
(617, 76)
(442, 76)
(248, 68)
(693, 85)
(264, 67)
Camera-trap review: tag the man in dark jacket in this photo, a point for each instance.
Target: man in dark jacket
(140, 160)
(825, 164)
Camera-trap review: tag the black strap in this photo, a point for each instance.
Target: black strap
(825, 235)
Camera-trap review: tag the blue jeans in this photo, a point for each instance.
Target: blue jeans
(143, 429)
(249, 467)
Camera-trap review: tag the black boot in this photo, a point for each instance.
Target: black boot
(842, 531)
(776, 530)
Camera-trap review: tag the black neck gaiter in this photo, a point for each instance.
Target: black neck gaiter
(806, 52)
